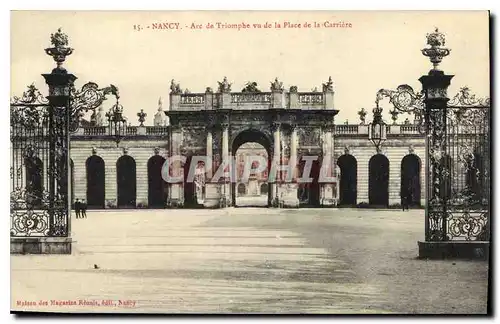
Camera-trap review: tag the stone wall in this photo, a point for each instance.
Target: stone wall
(140, 150)
(394, 149)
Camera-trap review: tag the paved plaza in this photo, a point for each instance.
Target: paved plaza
(248, 260)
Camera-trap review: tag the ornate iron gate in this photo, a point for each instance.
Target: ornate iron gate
(459, 170)
(39, 168)
(40, 162)
(458, 141)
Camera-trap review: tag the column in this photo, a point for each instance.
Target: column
(290, 199)
(176, 190)
(213, 190)
(276, 162)
(208, 168)
(327, 193)
(226, 186)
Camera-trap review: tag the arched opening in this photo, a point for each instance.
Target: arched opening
(242, 189)
(264, 189)
(95, 182)
(348, 190)
(308, 192)
(410, 180)
(191, 187)
(157, 187)
(34, 181)
(378, 183)
(126, 182)
(247, 148)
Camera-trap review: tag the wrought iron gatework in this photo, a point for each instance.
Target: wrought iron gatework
(458, 154)
(40, 128)
(38, 172)
(458, 139)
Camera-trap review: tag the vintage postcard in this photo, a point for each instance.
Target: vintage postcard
(244, 162)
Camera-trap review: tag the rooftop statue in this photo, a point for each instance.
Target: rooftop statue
(277, 85)
(224, 86)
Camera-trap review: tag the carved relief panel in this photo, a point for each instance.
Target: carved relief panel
(309, 136)
(193, 137)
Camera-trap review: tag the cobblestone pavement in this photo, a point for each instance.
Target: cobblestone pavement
(242, 260)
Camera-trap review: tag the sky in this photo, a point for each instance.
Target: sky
(380, 50)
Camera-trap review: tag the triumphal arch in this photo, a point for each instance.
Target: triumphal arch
(294, 127)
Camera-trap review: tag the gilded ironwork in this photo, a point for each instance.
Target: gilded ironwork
(459, 178)
(405, 100)
(458, 153)
(89, 98)
(38, 200)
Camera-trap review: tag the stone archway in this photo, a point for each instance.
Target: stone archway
(218, 122)
(308, 193)
(95, 182)
(378, 183)
(410, 179)
(348, 179)
(258, 143)
(157, 196)
(126, 182)
(264, 189)
(189, 186)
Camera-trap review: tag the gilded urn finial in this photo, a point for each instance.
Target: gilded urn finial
(436, 52)
(60, 49)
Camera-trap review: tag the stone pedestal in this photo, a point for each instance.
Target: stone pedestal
(294, 100)
(141, 130)
(176, 195)
(479, 250)
(288, 195)
(328, 198)
(175, 100)
(40, 245)
(329, 103)
(278, 100)
(212, 195)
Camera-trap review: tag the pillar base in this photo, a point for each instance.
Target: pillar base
(328, 202)
(288, 196)
(479, 250)
(40, 245)
(175, 203)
